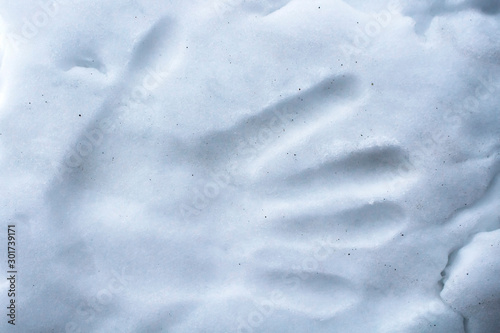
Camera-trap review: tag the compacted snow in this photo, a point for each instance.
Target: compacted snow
(251, 166)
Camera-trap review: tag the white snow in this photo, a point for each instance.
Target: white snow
(251, 166)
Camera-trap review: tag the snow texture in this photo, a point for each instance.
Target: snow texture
(251, 166)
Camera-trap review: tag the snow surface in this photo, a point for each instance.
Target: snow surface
(251, 166)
